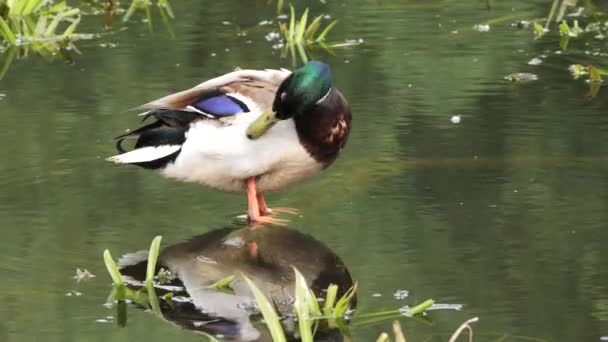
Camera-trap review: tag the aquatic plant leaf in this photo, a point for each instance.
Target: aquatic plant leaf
(152, 258)
(313, 28)
(343, 303)
(153, 300)
(165, 6)
(303, 307)
(30, 6)
(224, 284)
(292, 21)
(302, 52)
(7, 33)
(58, 7)
(382, 338)
(112, 268)
(328, 28)
(280, 6)
(330, 299)
(7, 62)
(564, 29)
(539, 31)
(271, 318)
(594, 74)
(418, 309)
(301, 27)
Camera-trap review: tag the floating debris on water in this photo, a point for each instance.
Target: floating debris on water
(604, 338)
(83, 274)
(578, 13)
(522, 24)
(205, 259)
(272, 36)
(481, 27)
(521, 77)
(73, 293)
(401, 294)
(376, 295)
(236, 241)
(455, 119)
(107, 319)
(265, 22)
(437, 306)
(535, 61)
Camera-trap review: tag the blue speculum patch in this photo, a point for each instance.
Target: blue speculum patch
(221, 105)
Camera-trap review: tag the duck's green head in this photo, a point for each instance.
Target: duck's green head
(298, 94)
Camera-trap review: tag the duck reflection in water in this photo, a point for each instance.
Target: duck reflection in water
(266, 256)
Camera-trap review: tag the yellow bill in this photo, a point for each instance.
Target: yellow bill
(262, 124)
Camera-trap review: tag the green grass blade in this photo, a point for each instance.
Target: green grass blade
(292, 22)
(131, 10)
(418, 309)
(58, 7)
(328, 28)
(280, 6)
(31, 6)
(301, 29)
(270, 315)
(166, 5)
(224, 284)
(112, 268)
(7, 33)
(302, 53)
(383, 338)
(313, 28)
(153, 300)
(302, 307)
(70, 30)
(50, 29)
(7, 62)
(330, 299)
(343, 303)
(551, 13)
(152, 258)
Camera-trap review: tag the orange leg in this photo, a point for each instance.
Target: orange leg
(257, 210)
(264, 210)
(252, 202)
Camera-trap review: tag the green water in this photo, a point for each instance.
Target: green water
(505, 212)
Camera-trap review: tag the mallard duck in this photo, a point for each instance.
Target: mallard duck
(256, 131)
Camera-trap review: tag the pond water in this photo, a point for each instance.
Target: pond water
(504, 212)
